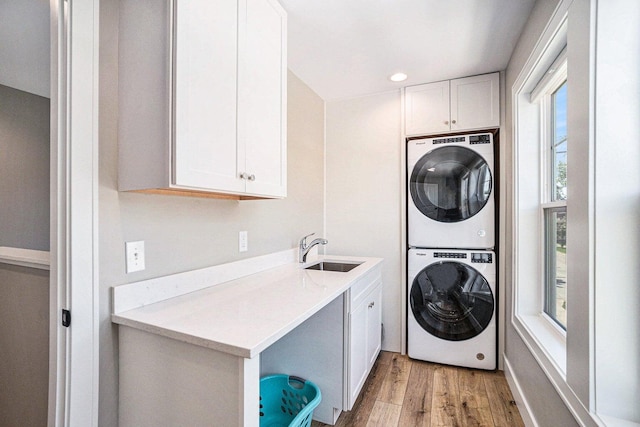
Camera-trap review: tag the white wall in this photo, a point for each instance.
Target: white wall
(364, 192)
(183, 233)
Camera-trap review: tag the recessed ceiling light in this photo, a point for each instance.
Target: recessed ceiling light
(398, 77)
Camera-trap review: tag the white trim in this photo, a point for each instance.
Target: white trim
(571, 401)
(616, 422)
(521, 401)
(545, 343)
(403, 225)
(24, 257)
(74, 351)
(526, 320)
(553, 205)
(57, 347)
(555, 75)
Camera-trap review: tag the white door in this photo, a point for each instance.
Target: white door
(262, 102)
(427, 108)
(205, 65)
(475, 102)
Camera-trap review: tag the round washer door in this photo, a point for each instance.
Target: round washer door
(450, 184)
(451, 300)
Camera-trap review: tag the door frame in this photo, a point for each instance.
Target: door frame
(74, 284)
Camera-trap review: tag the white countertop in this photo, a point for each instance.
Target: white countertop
(246, 315)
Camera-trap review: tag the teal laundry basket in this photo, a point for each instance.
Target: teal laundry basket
(287, 401)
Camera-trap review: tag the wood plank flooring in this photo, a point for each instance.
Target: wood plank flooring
(401, 392)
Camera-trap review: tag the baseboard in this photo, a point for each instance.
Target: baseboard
(523, 406)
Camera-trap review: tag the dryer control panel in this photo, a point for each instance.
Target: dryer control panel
(449, 255)
(482, 257)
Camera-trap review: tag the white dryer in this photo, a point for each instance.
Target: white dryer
(450, 192)
(451, 313)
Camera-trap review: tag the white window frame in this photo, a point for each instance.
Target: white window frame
(554, 78)
(544, 337)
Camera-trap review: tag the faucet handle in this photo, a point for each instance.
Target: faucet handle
(303, 241)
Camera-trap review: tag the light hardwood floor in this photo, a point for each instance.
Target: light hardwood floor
(401, 392)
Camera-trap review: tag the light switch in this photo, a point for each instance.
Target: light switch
(135, 256)
(243, 241)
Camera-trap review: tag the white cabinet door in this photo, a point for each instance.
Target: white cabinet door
(262, 100)
(456, 105)
(357, 351)
(365, 337)
(374, 328)
(475, 102)
(427, 108)
(205, 155)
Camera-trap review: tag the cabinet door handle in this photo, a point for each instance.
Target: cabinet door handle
(371, 304)
(251, 177)
(243, 175)
(446, 122)
(453, 122)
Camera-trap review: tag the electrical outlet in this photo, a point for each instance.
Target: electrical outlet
(243, 241)
(135, 256)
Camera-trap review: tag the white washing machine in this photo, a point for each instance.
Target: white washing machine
(451, 313)
(450, 192)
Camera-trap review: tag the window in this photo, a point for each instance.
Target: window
(541, 220)
(554, 203)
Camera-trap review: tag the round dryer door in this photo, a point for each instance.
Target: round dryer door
(450, 184)
(451, 300)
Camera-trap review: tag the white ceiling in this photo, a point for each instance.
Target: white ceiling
(348, 48)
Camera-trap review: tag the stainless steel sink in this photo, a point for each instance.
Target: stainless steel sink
(334, 266)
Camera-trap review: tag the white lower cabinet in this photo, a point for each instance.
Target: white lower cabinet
(335, 348)
(364, 333)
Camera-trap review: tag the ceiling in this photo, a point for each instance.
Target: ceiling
(349, 48)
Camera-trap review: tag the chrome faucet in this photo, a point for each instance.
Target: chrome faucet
(304, 248)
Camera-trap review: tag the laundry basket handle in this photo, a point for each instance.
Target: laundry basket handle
(298, 379)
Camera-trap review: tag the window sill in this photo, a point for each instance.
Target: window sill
(546, 342)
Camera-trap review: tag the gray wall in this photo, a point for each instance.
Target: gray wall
(182, 233)
(546, 405)
(25, 47)
(24, 346)
(24, 170)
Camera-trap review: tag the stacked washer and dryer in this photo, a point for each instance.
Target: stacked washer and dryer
(451, 315)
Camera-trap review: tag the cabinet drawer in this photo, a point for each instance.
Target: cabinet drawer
(363, 286)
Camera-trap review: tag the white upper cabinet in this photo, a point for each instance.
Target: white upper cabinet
(427, 108)
(203, 97)
(205, 114)
(450, 106)
(263, 83)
